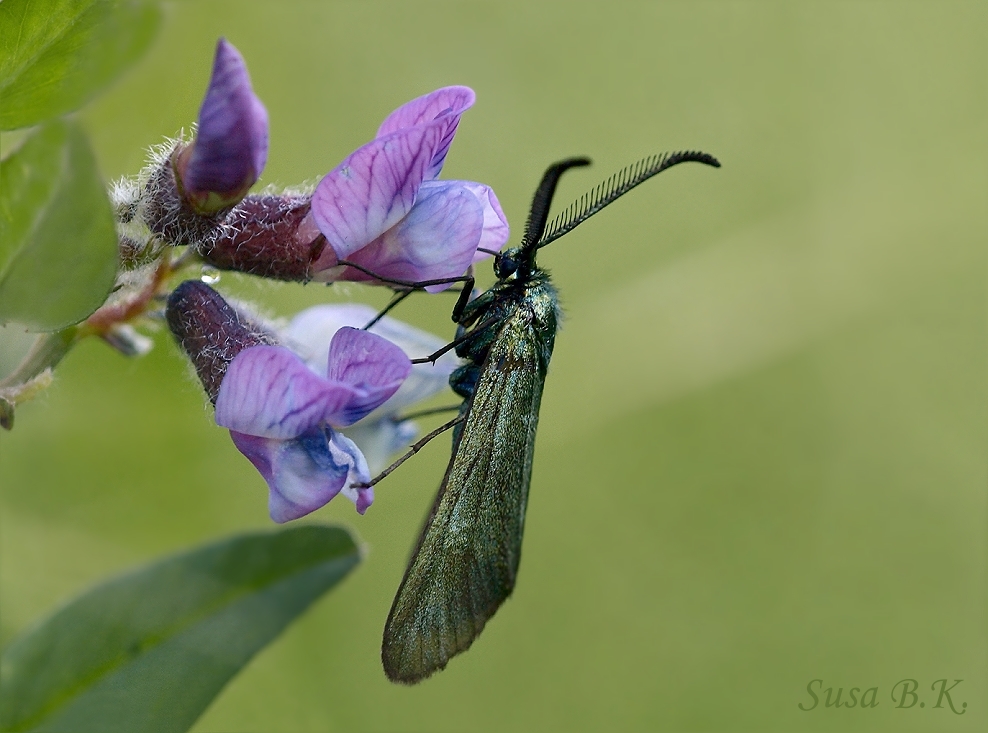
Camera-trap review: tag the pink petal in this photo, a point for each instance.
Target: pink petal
(496, 229)
(310, 332)
(270, 393)
(449, 102)
(438, 239)
(374, 187)
(371, 364)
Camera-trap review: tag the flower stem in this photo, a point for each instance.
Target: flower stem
(34, 371)
(46, 351)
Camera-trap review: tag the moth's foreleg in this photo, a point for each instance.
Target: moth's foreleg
(399, 296)
(413, 284)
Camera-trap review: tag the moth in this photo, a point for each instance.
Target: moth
(465, 562)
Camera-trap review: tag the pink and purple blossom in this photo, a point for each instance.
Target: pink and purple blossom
(382, 209)
(315, 405)
(285, 418)
(384, 432)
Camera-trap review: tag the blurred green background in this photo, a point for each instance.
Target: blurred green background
(762, 448)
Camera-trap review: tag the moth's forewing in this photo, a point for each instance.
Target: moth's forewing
(466, 560)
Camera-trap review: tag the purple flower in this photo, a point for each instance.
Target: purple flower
(384, 431)
(285, 408)
(231, 144)
(285, 418)
(382, 208)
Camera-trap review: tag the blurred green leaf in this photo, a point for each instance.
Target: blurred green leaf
(58, 243)
(56, 55)
(149, 651)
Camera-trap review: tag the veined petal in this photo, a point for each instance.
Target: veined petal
(305, 473)
(369, 363)
(231, 143)
(438, 239)
(444, 101)
(496, 229)
(269, 392)
(448, 102)
(374, 187)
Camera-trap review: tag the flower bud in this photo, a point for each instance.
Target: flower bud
(231, 145)
(268, 236)
(210, 331)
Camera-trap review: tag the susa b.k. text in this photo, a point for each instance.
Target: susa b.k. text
(905, 694)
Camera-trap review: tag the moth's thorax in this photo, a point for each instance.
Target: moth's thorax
(532, 312)
(542, 299)
(533, 298)
(515, 309)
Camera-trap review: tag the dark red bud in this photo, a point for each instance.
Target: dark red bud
(210, 331)
(168, 214)
(268, 236)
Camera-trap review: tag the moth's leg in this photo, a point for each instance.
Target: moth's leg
(431, 358)
(473, 309)
(399, 296)
(413, 284)
(402, 293)
(411, 452)
(465, 297)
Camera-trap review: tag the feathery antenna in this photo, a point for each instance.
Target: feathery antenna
(539, 213)
(609, 191)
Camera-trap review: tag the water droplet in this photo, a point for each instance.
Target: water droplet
(210, 275)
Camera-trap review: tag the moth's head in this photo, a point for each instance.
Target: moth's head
(506, 263)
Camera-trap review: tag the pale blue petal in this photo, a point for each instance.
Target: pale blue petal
(381, 439)
(346, 451)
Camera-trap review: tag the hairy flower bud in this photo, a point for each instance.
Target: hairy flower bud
(231, 144)
(267, 236)
(193, 186)
(381, 209)
(210, 331)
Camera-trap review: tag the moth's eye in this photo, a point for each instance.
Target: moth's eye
(504, 266)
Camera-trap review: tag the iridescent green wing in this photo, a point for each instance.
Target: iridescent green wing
(466, 560)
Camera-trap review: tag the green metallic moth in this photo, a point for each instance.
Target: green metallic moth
(466, 560)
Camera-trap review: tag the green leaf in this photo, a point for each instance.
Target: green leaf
(148, 651)
(56, 55)
(58, 243)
